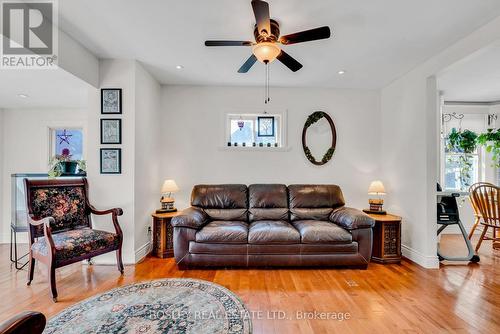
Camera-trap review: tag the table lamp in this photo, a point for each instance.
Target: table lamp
(376, 188)
(167, 201)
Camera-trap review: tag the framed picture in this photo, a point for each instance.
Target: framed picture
(111, 160)
(111, 131)
(265, 126)
(111, 101)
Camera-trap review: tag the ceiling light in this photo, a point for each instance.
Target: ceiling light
(341, 72)
(266, 52)
(23, 96)
(179, 67)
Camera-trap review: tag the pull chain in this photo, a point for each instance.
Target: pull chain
(267, 98)
(268, 79)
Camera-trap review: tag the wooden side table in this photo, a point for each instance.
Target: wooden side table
(386, 238)
(163, 242)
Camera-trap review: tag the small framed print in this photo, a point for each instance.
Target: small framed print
(265, 126)
(111, 101)
(111, 131)
(111, 161)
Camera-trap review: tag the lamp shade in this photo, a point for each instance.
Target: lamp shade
(169, 186)
(376, 188)
(266, 51)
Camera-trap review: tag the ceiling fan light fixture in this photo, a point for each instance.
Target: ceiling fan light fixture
(266, 52)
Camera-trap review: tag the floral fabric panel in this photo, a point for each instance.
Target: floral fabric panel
(75, 243)
(65, 204)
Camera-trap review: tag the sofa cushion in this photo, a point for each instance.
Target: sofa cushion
(313, 201)
(318, 232)
(227, 214)
(272, 232)
(75, 243)
(222, 202)
(310, 214)
(224, 232)
(268, 202)
(268, 196)
(223, 196)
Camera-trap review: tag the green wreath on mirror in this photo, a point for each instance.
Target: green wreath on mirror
(313, 118)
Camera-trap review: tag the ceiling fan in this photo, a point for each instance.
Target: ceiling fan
(267, 39)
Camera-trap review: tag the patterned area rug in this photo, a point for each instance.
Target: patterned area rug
(162, 306)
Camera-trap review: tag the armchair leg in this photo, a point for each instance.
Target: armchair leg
(52, 278)
(31, 270)
(119, 261)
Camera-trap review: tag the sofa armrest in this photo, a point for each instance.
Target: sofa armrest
(192, 217)
(351, 219)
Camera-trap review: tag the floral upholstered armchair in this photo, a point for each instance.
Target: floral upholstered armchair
(60, 226)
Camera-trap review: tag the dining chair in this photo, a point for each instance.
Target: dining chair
(477, 214)
(487, 199)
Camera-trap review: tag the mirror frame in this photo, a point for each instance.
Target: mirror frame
(311, 119)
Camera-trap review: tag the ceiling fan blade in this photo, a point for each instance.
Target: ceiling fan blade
(306, 36)
(261, 11)
(228, 43)
(289, 61)
(248, 64)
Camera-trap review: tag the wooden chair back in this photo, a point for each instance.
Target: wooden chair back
(487, 199)
(475, 207)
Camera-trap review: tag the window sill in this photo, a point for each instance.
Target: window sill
(254, 148)
(448, 192)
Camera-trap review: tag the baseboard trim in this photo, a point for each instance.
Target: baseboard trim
(142, 252)
(428, 262)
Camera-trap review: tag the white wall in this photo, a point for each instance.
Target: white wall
(77, 60)
(409, 109)
(25, 147)
(193, 148)
(110, 190)
(495, 110)
(2, 177)
(136, 189)
(147, 156)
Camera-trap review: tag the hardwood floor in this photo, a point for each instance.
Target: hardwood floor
(383, 299)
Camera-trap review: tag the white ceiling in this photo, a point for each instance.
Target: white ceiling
(474, 79)
(373, 41)
(45, 88)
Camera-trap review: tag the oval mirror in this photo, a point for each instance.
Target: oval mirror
(319, 138)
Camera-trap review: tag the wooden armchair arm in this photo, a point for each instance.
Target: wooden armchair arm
(47, 232)
(25, 322)
(114, 216)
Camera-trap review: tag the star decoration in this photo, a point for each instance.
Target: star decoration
(64, 137)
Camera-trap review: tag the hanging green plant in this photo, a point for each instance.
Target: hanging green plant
(464, 142)
(491, 141)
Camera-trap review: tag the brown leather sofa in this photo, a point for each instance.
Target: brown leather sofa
(233, 225)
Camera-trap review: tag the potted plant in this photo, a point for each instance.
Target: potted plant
(491, 141)
(62, 164)
(464, 142)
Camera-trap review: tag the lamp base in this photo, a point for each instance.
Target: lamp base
(376, 212)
